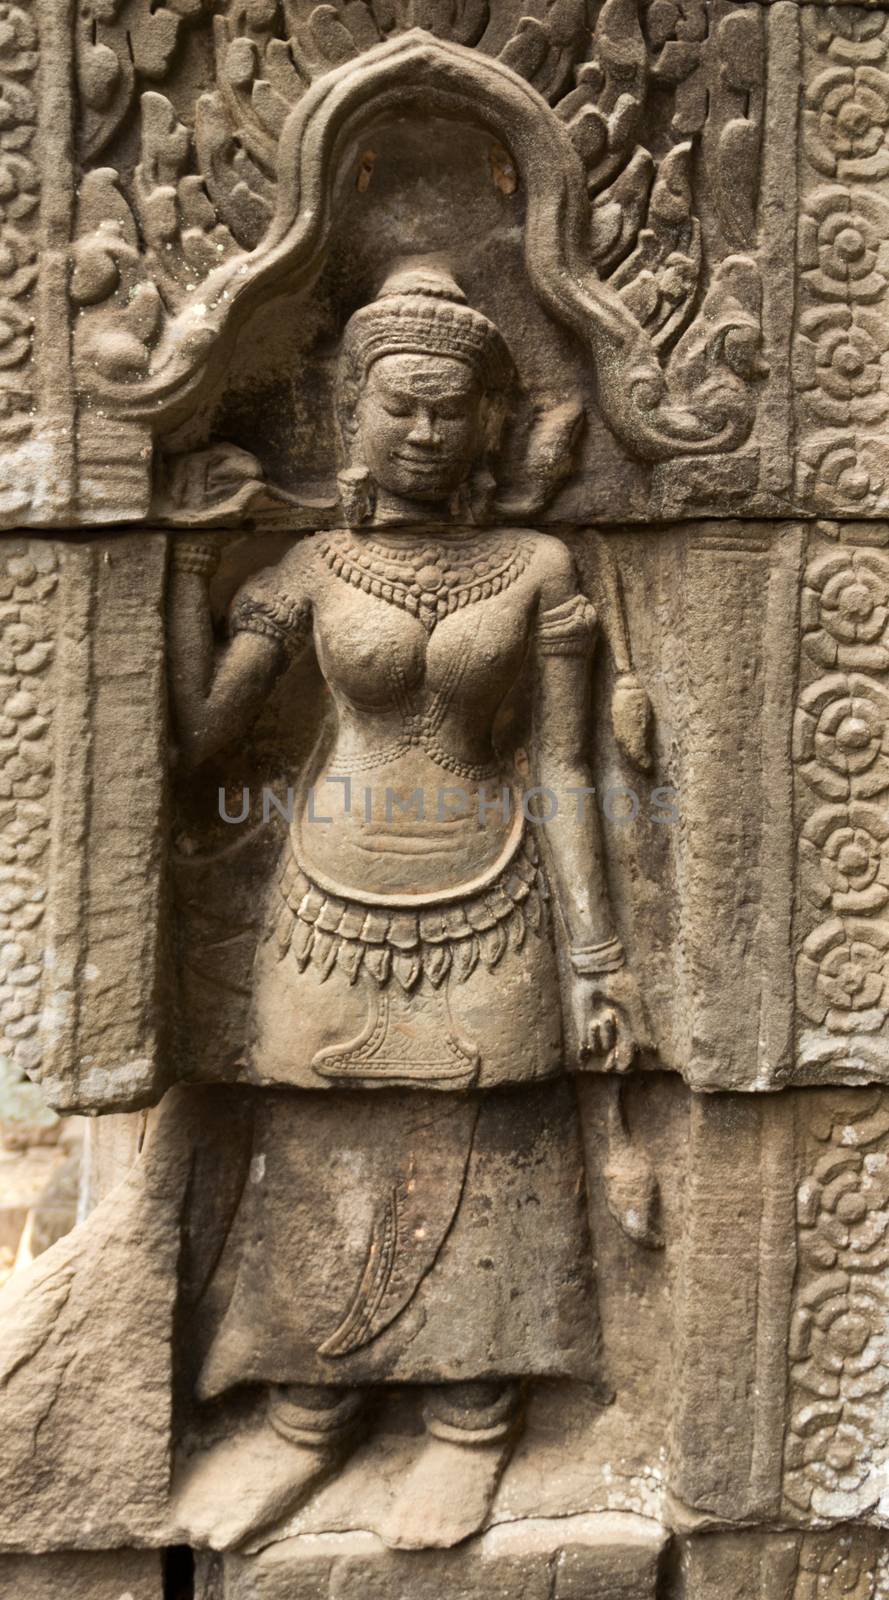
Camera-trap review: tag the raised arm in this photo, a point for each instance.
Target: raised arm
(218, 690)
(603, 996)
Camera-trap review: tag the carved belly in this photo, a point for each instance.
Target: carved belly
(407, 829)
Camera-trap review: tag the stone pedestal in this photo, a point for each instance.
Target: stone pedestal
(604, 1557)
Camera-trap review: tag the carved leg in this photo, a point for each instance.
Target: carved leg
(471, 1431)
(247, 1483)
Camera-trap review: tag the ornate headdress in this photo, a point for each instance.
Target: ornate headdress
(422, 310)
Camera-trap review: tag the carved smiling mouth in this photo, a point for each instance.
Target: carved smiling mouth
(419, 463)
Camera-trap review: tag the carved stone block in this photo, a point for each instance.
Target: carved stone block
(179, 192)
(782, 1566)
(86, 1381)
(84, 784)
(738, 1269)
(444, 759)
(110, 1575)
(586, 1558)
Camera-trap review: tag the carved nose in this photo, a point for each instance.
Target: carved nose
(424, 430)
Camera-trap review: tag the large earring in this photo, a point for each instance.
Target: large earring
(357, 492)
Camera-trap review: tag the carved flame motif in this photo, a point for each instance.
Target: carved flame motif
(218, 211)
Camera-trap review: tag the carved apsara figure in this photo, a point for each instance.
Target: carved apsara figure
(431, 961)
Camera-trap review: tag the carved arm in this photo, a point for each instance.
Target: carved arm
(605, 1010)
(573, 836)
(217, 691)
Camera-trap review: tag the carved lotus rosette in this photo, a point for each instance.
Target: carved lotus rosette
(847, 1343)
(840, 367)
(850, 33)
(839, 1345)
(845, 610)
(841, 753)
(841, 736)
(841, 976)
(844, 248)
(844, 854)
(845, 121)
(844, 471)
(840, 353)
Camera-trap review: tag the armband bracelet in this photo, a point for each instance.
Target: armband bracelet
(191, 558)
(593, 960)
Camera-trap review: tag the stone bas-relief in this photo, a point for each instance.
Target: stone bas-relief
(444, 728)
(416, 949)
(204, 136)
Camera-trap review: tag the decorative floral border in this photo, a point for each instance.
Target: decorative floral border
(841, 757)
(19, 215)
(841, 350)
(837, 1445)
(28, 584)
(844, 1564)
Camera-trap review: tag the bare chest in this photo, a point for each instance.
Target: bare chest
(424, 628)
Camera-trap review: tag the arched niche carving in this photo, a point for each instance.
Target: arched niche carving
(676, 368)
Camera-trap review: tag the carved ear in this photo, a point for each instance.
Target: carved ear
(357, 493)
(348, 412)
(495, 410)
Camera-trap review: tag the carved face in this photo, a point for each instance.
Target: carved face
(419, 424)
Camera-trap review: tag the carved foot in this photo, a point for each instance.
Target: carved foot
(448, 1492)
(447, 1495)
(246, 1484)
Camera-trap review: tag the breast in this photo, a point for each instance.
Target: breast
(370, 652)
(475, 655)
(376, 655)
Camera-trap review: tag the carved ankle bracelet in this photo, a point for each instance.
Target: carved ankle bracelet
(591, 960)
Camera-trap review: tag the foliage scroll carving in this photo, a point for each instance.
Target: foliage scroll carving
(220, 214)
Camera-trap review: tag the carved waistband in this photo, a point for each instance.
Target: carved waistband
(404, 944)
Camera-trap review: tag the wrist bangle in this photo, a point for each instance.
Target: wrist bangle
(190, 558)
(592, 960)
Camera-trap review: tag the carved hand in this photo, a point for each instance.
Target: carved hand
(608, 1020)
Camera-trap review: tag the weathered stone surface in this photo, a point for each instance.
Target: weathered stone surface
(83, 784)
(112, 1575)
(444, 749)
(86, 1373)
(783, 1566)
(583, 1558)
(105, 940)
(174, 230)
